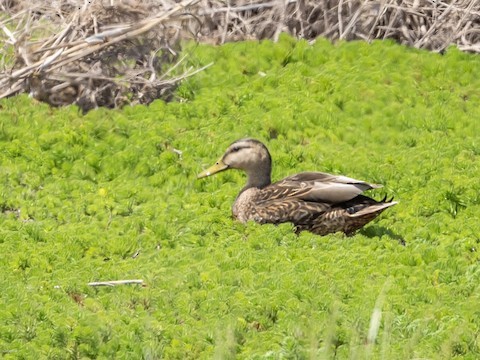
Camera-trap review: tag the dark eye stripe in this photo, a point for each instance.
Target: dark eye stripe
(238, 148)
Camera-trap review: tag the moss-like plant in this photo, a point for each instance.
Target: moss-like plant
(112, 195)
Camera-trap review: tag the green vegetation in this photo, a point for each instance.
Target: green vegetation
(80, 195)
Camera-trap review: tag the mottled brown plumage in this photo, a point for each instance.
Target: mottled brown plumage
(314, 201)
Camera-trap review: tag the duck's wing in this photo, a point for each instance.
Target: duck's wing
(316, 187)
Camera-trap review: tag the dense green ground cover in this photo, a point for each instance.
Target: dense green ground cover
(79, 195)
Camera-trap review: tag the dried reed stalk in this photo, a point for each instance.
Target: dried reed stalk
(112, 283)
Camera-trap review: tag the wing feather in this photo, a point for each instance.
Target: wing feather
(317, 187)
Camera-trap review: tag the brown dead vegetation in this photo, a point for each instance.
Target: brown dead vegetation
(116, 52)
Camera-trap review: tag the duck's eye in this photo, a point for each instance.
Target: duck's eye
(235, 149)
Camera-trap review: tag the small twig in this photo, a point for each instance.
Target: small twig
(13, 17)
(12, 90)
(258, 6)
(102, 37)
(340, 20)
(226, 21)
(166, 73)
(95, 25)
(50, 59)
(196, 71)
(9, 34)
(280, 22)
(115, 282)
(353, 21)
(391, 23)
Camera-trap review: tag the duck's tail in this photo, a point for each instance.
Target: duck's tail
(369, 206)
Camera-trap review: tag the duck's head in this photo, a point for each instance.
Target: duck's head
(249, 155)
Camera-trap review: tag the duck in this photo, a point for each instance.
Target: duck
(318, 202)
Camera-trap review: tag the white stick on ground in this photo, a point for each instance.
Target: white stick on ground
(115, 282)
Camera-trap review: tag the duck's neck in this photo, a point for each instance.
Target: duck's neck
(258, 177)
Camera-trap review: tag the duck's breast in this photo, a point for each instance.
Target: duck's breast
(244, 206)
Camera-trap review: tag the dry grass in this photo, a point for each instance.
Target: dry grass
(110, 53)
(432, 25)
(95, 54)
